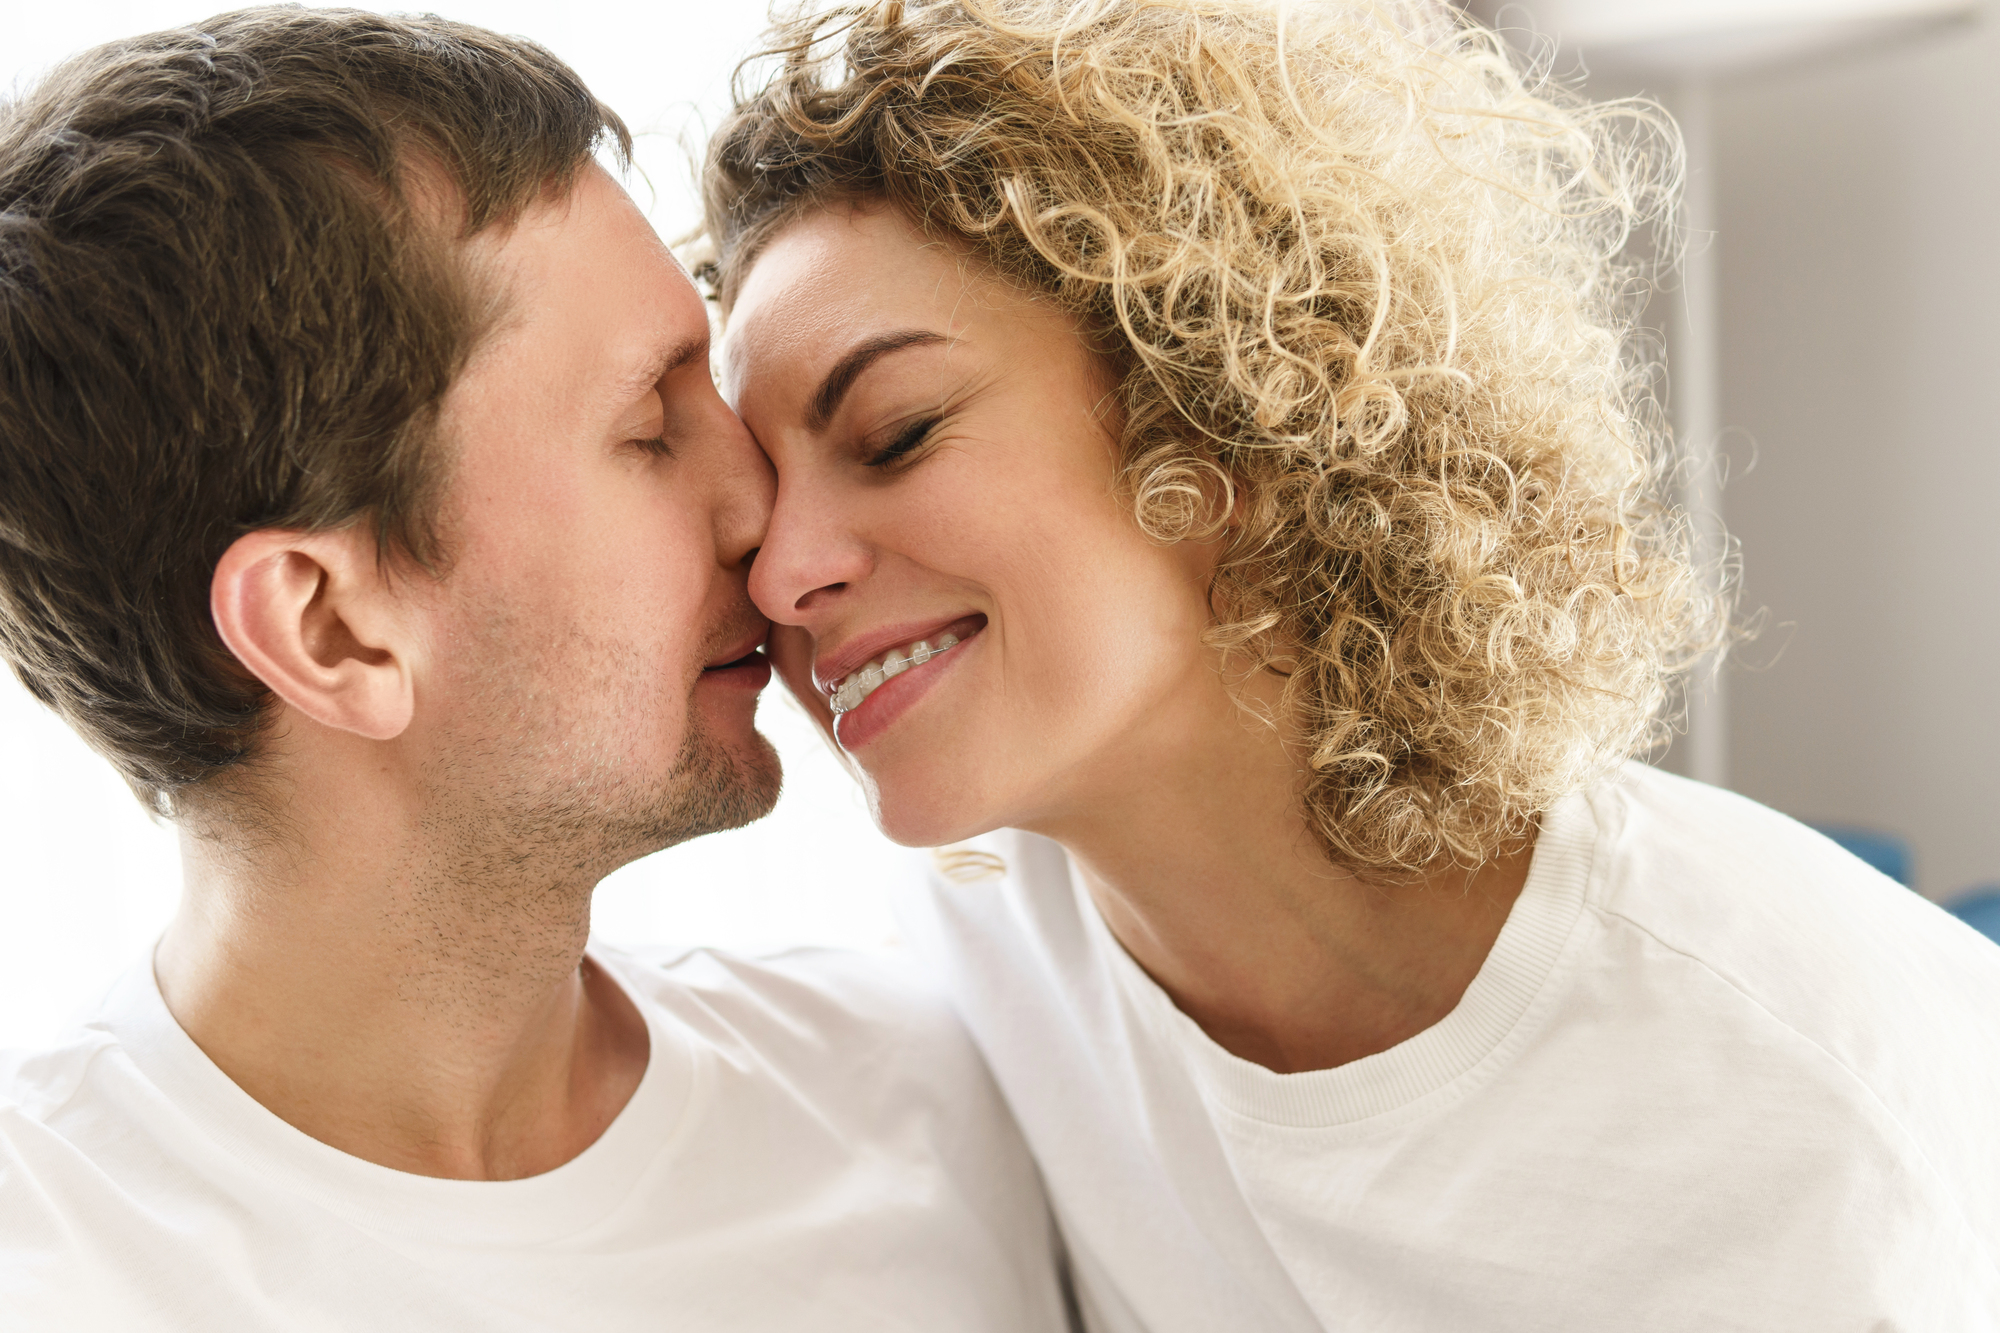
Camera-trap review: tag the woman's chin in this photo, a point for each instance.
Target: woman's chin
(925, 823)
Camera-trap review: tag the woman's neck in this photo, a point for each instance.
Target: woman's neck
(1205, 869)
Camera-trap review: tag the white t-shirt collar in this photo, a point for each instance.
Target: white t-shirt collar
(1514, 975)
(570, 1199)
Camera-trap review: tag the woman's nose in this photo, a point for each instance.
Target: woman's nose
(811, 554)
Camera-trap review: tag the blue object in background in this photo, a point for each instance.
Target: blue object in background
(1885, 851)
(1980, 909)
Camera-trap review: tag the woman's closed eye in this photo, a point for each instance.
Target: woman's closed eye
(904, 442)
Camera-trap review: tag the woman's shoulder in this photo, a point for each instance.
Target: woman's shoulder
(1756, 894)
(1883, 993)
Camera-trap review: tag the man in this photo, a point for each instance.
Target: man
(366, 500)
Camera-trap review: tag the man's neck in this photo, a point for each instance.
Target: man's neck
(435, 1017)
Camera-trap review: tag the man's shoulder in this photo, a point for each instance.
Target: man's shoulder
(816, 985)
(69, 1123)
(857, 1045)
(90, 1086)
(67, 1110)
(834, 1011)
(37, 1085)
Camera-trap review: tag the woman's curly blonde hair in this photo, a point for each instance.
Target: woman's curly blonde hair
(1357, 271)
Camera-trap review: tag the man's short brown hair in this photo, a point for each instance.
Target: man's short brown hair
(219, 312)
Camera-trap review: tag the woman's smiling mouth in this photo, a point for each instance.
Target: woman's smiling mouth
(848, 692)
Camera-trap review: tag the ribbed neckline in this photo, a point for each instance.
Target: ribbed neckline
(382, 1200)
(1538, 926)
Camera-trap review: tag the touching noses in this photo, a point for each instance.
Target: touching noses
(745, 487)
(811, 554)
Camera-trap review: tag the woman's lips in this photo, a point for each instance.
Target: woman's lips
(885, 701)
(849, 694)
(831, 671)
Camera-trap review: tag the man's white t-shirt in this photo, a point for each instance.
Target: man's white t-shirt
(814, 1145)
(1715, 1075)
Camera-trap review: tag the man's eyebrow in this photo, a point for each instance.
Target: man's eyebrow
(848, 369)
(659, 367)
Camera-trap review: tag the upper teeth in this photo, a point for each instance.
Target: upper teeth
(852, 689)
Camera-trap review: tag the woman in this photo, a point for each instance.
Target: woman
(1209, 445)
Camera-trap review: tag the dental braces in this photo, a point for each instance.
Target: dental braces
(863, 682)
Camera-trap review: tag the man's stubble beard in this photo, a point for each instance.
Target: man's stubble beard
(709, 789)
(557, 793)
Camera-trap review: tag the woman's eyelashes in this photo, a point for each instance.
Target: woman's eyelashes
(903, 443)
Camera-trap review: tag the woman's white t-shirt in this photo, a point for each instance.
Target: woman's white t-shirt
(1716, 1074)
(814, 1145)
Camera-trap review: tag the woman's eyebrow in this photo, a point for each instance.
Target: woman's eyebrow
(826, 400)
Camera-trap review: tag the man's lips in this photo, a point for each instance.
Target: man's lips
(752, 671)
(743, 653)
(751, 658)
(742, 663)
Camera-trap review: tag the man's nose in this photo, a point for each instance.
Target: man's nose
(747, 486)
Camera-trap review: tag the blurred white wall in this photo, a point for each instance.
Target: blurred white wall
(86, 881)
(1855, 190)
(1859, 215)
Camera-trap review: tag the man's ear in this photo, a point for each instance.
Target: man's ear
(313, 616)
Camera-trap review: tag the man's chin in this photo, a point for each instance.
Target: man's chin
(761, 777)
(720, 785)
